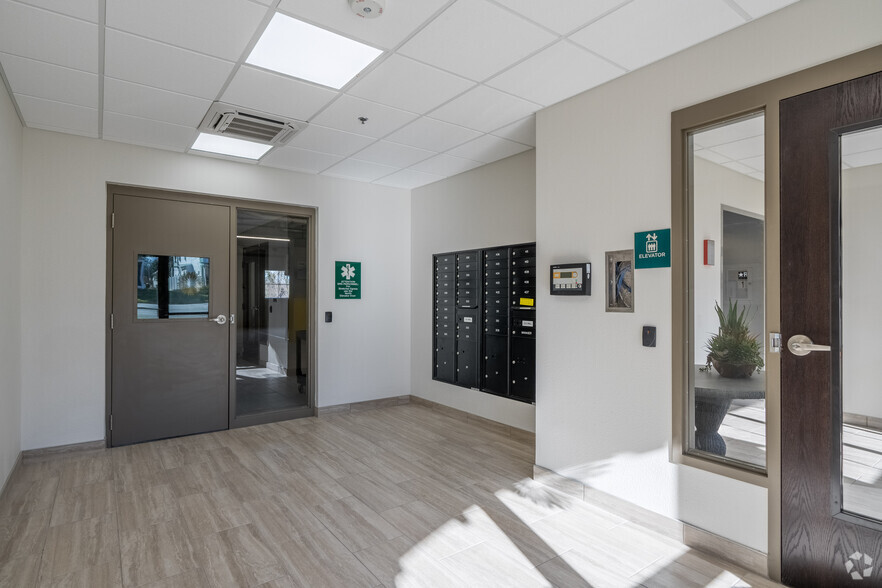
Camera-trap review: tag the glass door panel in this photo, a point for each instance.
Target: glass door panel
(861, 319)
(273, 305)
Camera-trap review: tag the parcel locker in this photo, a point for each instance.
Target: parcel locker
(496, 364)
(523, 368)
(445, 360)
(467, 371)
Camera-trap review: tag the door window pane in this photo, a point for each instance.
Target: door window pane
(172, 287)
(726, 394)
(861, 216)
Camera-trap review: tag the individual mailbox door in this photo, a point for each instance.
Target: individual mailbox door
(496, 364)
(445, 360)
(523, 368)
(467, 368)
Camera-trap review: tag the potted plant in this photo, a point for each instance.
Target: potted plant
(733, 351)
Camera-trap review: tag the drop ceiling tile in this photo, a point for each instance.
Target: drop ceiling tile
(387, 32)
(739, 167)
(408, 179)
(388, 153)
(757, 163)
(561, 71)
(758, 8)
(221, 28)
(53, 82)
(434, 135)
(861, 141)
(362, 171)
(275, 94)
(458, 40)
(150, 63)
(488, 149)
(522, 131)
(150, 133)
(751, 147)
(864, 158)
(46, 36)
(485, 109)
(301, 160)
(344, 113)
(727, 133)
(325, 140)
(758, 176)
(84, 9)
(656, 29)
(409, 85)
(563, 16)
(446, 165)
(711, 156)
(146, 102)
(58, 116)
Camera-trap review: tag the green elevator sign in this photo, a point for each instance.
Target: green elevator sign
(652, 249)
(347, 280)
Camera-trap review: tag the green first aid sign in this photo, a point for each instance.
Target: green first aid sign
(347, 280)
(652, 249)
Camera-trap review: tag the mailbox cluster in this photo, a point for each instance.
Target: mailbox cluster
(485, 318)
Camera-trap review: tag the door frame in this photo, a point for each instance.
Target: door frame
(310, 213)
(762, 97)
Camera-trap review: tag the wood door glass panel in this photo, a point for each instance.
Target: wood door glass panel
(821, 545)
(860, 157)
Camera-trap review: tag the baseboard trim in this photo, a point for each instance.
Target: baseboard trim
(356, 407)
(11, 475)
(698, 539)
(73, 448)
(501, 428)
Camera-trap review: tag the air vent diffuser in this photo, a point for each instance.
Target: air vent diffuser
(232, 121)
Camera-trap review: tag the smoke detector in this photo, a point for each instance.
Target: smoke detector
(232, 121)
(367, 8)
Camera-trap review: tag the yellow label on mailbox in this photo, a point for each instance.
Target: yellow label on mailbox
(526, 302)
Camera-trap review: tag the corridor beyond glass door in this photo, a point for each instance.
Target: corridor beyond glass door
(272, 313)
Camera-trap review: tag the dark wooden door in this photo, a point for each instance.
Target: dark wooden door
(170, 346)
(822, 545)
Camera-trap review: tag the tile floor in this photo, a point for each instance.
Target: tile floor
(401, 496)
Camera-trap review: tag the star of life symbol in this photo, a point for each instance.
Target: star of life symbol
(859, 565)
(652, 243)
(348, 271)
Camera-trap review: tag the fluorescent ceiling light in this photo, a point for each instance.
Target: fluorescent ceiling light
(262, 238)
(304, 51)
(230, 146)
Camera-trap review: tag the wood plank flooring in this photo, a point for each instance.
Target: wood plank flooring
(401, 496)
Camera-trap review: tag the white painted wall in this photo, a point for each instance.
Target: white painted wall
(604, 172)
(861, 285)
(715, 186)
(489, 206)
(10, 285)
(363, 355)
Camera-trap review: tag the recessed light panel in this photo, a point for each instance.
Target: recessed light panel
(230, 146)
(304, 51)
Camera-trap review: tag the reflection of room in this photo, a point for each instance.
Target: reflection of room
(271, 360)
(728, 208)
(861, 183)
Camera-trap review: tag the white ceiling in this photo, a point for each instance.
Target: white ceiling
(456, 87)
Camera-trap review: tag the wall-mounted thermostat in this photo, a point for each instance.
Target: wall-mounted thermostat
(571, 279)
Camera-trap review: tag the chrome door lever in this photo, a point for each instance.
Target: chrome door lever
(220, 319)
(801, 345)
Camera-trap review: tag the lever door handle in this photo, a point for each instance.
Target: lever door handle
(220, 319)
(801, 345)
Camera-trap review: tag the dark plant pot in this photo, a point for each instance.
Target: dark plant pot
(734, 370)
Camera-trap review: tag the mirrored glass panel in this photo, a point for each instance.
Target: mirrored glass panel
(861, 316)
(726, 394)
(172, 287)
(273, 308)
